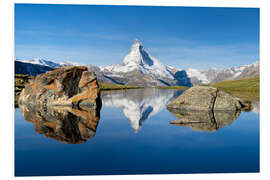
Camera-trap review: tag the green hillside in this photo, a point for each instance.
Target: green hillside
(109, 86)
(243, 88)
(173, 87)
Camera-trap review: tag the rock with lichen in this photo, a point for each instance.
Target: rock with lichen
(66, 86)
(204, 98)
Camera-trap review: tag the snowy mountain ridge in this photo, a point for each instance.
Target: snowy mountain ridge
(139, 68)
(52, 64)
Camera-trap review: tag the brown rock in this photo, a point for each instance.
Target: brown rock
(65, 86)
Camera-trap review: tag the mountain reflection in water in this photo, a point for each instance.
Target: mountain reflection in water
(139, 104)
(64, 124)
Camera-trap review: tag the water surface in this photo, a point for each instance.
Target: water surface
(132, 134)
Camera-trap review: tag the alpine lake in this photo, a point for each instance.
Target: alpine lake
(132, 134)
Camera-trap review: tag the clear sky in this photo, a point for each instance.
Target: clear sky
(184, 37)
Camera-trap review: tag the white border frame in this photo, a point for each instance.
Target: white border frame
(7, 55)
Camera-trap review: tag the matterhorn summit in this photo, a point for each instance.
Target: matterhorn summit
(137, 55)
(142, 65)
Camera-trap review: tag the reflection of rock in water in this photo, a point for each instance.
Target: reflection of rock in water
(255, 107)
(63, 123)
(139, 104)
(204, 120)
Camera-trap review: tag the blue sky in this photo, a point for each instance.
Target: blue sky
(184, 37)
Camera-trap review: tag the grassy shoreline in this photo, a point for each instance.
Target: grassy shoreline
(246, 89)
(109, 87)
(173, 87)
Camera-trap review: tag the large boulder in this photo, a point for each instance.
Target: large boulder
(204, 98)
(65, 86)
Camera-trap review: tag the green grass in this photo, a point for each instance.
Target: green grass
(248, 89)
(172, 87)
(109, 86)
(248, 85)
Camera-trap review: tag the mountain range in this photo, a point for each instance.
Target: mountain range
(139, 68)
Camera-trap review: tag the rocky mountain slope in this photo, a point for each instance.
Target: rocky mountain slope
(214, 75)
(30, 69)
(37, 66)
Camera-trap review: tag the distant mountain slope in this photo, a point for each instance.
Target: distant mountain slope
(31, 69)
(252, 70)
(215, 75)
(40, 61)
(52, 64)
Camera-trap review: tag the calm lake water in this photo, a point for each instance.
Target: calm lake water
(132, 134)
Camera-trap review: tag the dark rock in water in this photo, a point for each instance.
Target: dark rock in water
(209, 121)
(203, 98)
(63, 123)
(66, 86)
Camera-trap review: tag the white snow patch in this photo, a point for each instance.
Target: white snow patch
(198, 74)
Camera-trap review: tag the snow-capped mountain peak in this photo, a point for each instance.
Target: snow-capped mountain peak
(69, 63)
(140, 60)
(137, 55)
